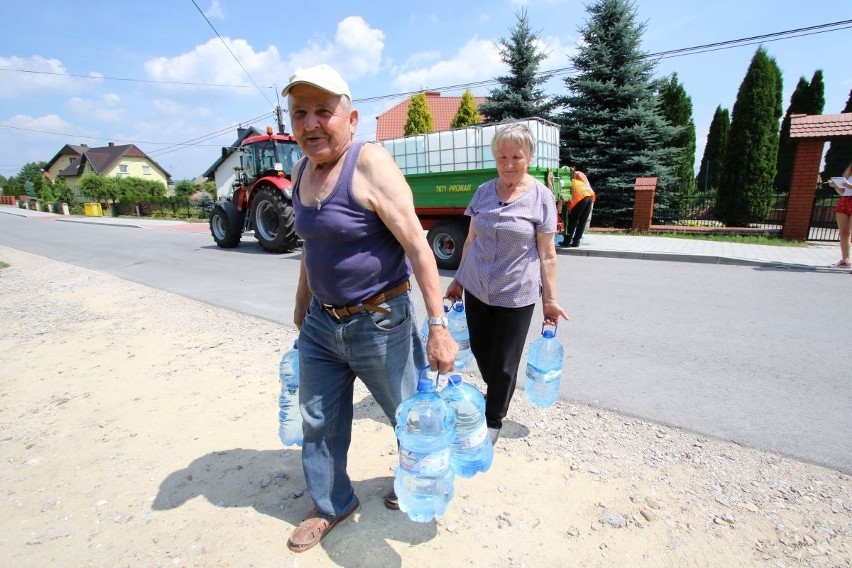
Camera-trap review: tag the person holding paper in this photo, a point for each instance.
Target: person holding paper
(843, 214)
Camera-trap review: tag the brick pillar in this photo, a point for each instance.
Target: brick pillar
(643, 204)
(802, 189)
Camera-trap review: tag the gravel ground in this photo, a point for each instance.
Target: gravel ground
(120, 404)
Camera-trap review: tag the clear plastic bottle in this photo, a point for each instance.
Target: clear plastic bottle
(472, 450)
(424, 329)
(458, 330)
(289, 415)
(425, 426)
(544, 369)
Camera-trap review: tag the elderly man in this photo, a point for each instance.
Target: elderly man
(362, 241)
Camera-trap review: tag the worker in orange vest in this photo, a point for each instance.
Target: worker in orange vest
(579, 209)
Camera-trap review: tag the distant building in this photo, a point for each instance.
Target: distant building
(223, 170)
(71, 162)
(391, 123)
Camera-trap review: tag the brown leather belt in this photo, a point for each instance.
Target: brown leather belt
(369, 305)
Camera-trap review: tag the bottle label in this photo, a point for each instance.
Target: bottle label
(548, 377)
(473, 439)
(423, 463)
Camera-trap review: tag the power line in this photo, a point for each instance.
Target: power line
(203, 15)
(105, 78)
(728, 44)
(171, 147)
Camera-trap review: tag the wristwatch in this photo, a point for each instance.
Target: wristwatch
(441, 320)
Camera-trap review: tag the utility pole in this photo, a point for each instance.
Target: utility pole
(279, 115)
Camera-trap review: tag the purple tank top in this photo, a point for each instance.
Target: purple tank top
(351, 254)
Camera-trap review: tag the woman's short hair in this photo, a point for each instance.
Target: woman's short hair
(517, 132)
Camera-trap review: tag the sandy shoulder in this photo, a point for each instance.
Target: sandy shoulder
(139, 429)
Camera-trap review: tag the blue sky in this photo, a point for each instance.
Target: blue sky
(156, 74)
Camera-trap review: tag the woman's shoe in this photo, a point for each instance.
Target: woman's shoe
(841, 264)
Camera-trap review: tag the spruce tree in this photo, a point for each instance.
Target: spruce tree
(676, 107)
(710, 172)
(745, 193)
(467, 114)
(520, 94)
(419, 120)
(612, 128)
(839, 154)
(807, 98)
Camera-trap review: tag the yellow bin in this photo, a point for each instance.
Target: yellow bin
(93, 209)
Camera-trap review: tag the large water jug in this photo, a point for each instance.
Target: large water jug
(458, 330)
(425, 429)
(424, 329)
(472, 450)
(289, 416)
(544, 369)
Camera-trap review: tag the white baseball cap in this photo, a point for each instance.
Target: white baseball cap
(320, 76)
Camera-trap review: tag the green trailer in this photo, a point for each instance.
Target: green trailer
(445, 168)
(441, 198)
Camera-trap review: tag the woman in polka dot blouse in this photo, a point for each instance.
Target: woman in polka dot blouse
(508, 263)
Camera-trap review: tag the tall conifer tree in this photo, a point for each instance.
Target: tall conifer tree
(612, 127)
(807, 98)
(710, 172)
(419, 119)
(520, 94)
(676, 107)
(467, 114)
(745, 193)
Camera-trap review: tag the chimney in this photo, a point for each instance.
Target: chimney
(84, 146)
(111, 144)
(241, 131)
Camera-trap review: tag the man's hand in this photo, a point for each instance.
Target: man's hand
(441, 349)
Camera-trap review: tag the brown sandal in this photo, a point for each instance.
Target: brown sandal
(311, 531)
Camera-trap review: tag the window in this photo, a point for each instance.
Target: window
(146, 170)
(122, 168)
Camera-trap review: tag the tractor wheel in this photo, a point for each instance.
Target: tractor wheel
(274, 221)
(446, 239)
(226, 224)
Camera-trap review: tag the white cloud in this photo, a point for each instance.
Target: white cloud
(47, 123)
(212, 62)
(215, 10)
(106, 108)
(355, 51)
(477, 60)
(34, 74)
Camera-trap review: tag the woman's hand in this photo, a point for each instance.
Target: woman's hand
(454, 291)
(552, 312)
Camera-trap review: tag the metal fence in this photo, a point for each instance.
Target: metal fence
(699, 210)
(823, 225)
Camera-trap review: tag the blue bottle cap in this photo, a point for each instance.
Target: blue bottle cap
(458, 306)
(548, 333)
(454, 379)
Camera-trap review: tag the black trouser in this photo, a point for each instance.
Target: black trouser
(497, 338)
(577, 218)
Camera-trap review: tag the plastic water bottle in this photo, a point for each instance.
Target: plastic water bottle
(458, 331)
(544, 369)
(289, 416)
(425, 426)
(472, 450)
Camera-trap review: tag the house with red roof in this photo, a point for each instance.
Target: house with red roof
(391, 123)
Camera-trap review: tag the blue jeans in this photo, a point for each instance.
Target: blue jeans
(385, 352)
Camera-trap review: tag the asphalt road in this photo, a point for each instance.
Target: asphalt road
(750, 355)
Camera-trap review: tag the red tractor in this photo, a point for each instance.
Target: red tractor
(262, 197)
